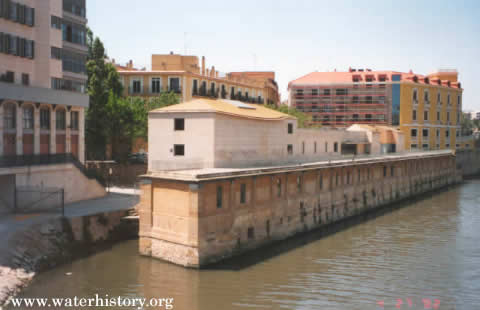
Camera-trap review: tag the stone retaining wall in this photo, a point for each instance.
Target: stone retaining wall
(194, 223)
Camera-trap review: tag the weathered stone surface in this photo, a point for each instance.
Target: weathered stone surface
(47, 244)
(197, 225)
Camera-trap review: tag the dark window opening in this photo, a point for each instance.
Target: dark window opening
(251, 233)
(179, 124)
(219, 196)
(290, 128)
(290, 149)
(179, 150)
(243, 193)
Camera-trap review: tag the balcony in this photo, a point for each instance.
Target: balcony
(176, 90)
(135, 91)
(45, 95)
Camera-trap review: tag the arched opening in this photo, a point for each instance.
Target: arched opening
(61, 138)
(45, 124)
(28, 125)
(9, 129)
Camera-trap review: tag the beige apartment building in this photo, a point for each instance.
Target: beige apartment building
(185, 76)
(42, 95)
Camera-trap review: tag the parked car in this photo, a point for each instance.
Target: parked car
(138, 158)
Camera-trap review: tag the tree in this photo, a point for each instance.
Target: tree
(102, 81)
(303, 120)
(142, 107)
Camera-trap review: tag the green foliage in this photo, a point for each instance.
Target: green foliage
(303, 119)
(103, 82)
(143, 106)
(469, 125)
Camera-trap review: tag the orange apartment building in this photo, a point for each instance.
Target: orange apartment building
(184, 75)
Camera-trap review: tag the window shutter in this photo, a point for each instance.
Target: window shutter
(1, 9)
(32, 23)
(33, 49)
(2, 43)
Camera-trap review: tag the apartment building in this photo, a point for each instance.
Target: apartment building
(184, 75)
(42, 91)
(427, 108)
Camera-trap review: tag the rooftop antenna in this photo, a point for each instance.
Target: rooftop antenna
(185, 43)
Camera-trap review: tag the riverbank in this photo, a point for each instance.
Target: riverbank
(37, 242)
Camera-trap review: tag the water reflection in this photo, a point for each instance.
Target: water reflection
(426, 250)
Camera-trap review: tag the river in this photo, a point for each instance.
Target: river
(424, 255)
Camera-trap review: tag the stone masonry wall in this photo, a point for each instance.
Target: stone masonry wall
(259, 209)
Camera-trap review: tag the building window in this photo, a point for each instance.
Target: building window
(174, 84)
(384, 171)
(299, 183)
(56, 22)
(44, 119)
(9, 118)
(425, 115)
(392, 171)
(448, 116)
(136, 86)
(426, 97)
(320, 182)
(156, 85)
(414, 115)
(413, 146)
(219, 197)
(179, 150)
(243, 193)
(447, 133)
(425, 133)
(290, 128)
(326, 147)
(60, 119)
(303, 147)
(315, 147)
(25, 79)
(74, 120)
(335, 147)
(438, 116)
(56, 53)
(326, 92)
(448, 99)
(415, 96)
(290, 149)
(425, 146)
(459, 100)
(439, 100)
(414, 133)
(251, 233)
(194, 87)
(179, 124)
(28, 117)
(76, 7)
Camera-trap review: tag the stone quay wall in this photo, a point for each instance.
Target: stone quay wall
(198, 220)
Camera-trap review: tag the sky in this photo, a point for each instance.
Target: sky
(294, 38)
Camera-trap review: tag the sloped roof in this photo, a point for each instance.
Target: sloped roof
(227, 107)
(338, 77)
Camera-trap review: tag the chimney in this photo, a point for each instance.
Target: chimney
(206, 72)
(212, 72)
(130, 64)
(171, 52)
(216, 74)
(203, 65)
(113, 60)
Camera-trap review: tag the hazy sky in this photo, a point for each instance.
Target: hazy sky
(296, 37)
